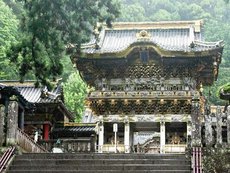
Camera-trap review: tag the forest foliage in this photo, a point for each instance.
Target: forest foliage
(34, 34)
(48, 27)
(45, 29)
(8, 34)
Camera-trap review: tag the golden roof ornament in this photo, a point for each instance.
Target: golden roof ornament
(143, 35)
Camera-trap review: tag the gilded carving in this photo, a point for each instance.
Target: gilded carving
(139, 107)
(143, 35)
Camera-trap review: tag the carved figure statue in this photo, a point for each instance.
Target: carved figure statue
(175, 139)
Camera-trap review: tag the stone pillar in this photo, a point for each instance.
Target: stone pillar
(2, 123)
(162, 140)
(127, 137)
(12, 122)
(196, 124)
(208, 130)
(100, 135)
(218, 126)
(228, 125)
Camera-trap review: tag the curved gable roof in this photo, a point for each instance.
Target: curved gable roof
(177, 36)
(31, 94)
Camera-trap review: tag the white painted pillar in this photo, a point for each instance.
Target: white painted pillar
(127, 137)
(191, 34)
(100, 137)
(162, 133)
(115, 130)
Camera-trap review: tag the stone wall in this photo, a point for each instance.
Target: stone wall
(214, 123)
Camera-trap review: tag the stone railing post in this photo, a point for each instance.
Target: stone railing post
(218, 126)
(208, 128)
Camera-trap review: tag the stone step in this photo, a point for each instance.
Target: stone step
(103, 163)
(100, 171)
(34, 162)
(115, 167)
(100, 156)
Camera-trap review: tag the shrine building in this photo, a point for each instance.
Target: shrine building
(30, 112)
(148, 81)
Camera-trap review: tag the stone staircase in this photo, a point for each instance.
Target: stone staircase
(103, 163)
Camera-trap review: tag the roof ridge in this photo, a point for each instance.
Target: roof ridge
(154, 25)
(170, 21)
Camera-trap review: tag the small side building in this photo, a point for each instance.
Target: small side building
(78, 137)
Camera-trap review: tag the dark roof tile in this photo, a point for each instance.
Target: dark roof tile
(171, 39)
(39, 95)
(32, 94)
(75, 129)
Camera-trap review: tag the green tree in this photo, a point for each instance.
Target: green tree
(212, 93)
(75, 91)
(161, 15)
(68, 68)
(8, 35)
(16, 7)
(133, 10)
(49, 26)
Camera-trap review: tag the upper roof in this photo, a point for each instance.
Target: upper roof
(173, 36)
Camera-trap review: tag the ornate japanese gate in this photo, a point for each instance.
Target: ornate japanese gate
(148, 79)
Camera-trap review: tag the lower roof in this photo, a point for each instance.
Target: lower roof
(75, 129)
